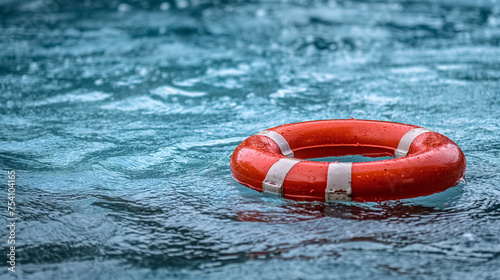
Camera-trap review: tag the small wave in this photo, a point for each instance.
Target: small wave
(447, 67)
(73, 97)
(378, 99)
(209, 143)
(187, 83)
(288, 92)
(136, 162)
(53, 151)
(137, 104)
(165, 91)
(226, 72)
(410, 70)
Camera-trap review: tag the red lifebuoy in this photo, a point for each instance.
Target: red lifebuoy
(273, 161)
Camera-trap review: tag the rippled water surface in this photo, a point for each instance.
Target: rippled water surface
(119, 119)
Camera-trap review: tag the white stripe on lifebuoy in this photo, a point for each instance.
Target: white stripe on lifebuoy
(276, 175)
(279, 140)
(407, 139)
(338, 182)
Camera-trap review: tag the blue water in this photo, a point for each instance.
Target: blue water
(119, 119)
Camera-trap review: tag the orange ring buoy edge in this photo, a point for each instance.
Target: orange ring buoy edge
(273, 161)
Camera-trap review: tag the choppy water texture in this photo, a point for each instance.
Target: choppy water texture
(119, 119)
